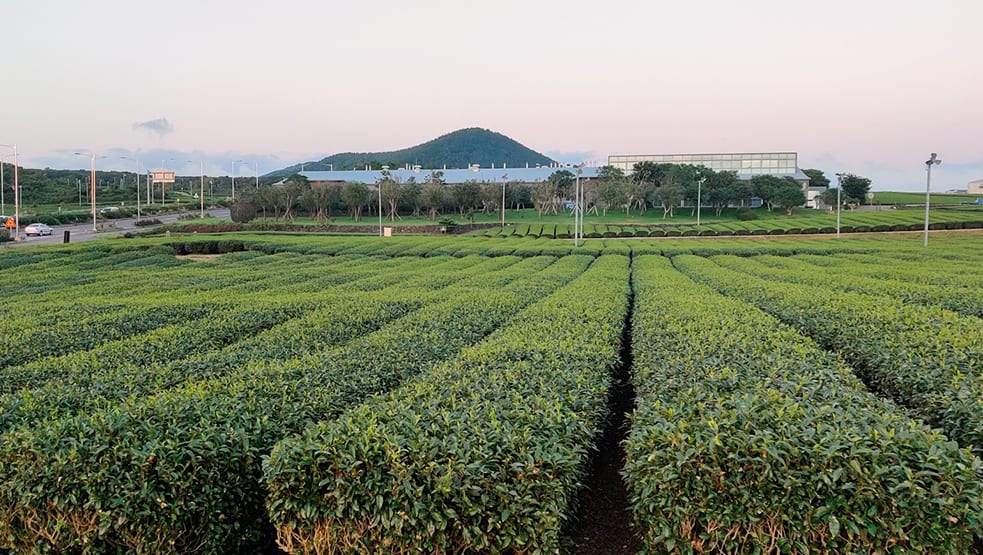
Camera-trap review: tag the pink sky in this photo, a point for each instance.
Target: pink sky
(868, 87)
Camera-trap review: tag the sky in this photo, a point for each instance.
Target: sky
(869, 87)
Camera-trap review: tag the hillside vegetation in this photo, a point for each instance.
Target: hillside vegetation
(455, 150)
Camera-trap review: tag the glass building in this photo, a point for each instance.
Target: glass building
(746, 164)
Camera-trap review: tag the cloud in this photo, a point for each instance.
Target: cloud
(159, 126)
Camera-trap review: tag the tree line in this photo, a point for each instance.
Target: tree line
(650, 186)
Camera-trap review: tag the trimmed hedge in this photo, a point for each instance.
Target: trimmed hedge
(484, 454)
(180, 472)
(925, 358)
(748, 438)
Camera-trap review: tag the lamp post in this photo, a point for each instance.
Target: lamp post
(256, 169)
(3, 203)
(379, 187)
(839, 188)
(933, 160)
(138, 183)
(92, 184)
(201, 188)
(16, 194)
(505, 179)
(578, 211)
(235, 166)
(699, 199)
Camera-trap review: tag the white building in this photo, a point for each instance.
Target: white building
(975, 187)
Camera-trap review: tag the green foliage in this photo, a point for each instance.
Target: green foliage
(193, 453)
(925, 358)
(455, 150)
(456, 462)
(749, 438)
(856, 187)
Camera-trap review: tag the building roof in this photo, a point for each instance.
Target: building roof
(451, 176)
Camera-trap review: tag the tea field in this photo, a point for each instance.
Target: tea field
(312, 394)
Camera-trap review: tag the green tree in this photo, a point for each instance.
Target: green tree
(669, 195)
(856, 187)
(466, 196)
(817, 179)
(788, 195)
(610, 173)
(356, 195)
(433, 197)
(390, 188)
(318, 201)
(765, 187)
(722, 189)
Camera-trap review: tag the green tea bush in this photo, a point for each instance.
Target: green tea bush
(748, 438)
(484, 454)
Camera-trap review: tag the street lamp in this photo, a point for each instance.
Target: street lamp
(92, 180)
(699, 199)
(138, 182)
(839, 188)
(201, 186)
(505, 179)
(3, 203)
(16, 194)
(235, 166)
(933, 160)
(578, 211)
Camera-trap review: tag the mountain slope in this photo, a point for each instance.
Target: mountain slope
(455, 150)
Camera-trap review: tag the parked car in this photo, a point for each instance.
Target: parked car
(38, 229)
(109, 209)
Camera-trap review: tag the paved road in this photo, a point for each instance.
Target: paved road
(83, 232)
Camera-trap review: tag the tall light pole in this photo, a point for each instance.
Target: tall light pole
(3, 203)
(505, 179)
(933, 160)
(235, 166)
(699, 199)
(379, 187)
(839, 188)
(138, 182)
(92, 184)
(201, 187)
(578, 211)
(16, 195)
(256, 169)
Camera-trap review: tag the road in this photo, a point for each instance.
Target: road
(83, 232)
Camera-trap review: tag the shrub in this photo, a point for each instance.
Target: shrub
(746, 214)
(242, 212)
(743, 421)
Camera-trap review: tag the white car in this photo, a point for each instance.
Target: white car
(38, 229)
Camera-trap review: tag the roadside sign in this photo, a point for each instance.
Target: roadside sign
(162, 176)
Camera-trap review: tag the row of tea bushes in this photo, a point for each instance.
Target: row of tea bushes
(925, 358)
(749, 438)
(180, 472)
(789, 269)
(230, 340)
(482, 455)
(964, 272)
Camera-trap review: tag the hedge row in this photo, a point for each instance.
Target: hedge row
(484, 454)
(925, 358)
(749, 438)
(180, 472)
(786, 269)
(950, 274)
